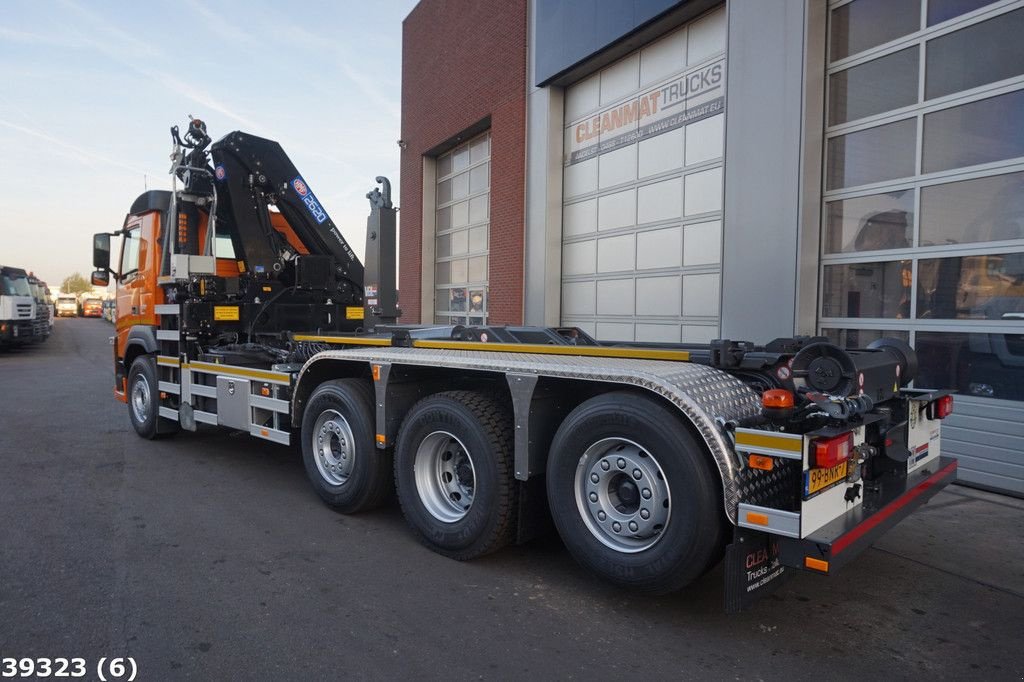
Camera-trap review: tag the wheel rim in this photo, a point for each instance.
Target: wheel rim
(445, 476)
(333, 447)
(622, 495)
(141, 399)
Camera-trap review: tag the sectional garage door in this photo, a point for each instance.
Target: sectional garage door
(642, 191)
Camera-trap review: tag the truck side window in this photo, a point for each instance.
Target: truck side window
(130, 253)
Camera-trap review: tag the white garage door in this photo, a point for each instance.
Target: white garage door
(642, 191)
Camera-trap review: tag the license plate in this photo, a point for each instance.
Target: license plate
(816, 480)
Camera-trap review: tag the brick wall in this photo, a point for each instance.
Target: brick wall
(463, 61)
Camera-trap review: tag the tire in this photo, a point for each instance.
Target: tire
(633, 494)
(453, 473)
(342, 461)
(144, 401)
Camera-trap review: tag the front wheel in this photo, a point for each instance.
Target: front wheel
(633, 494)
(144, 400)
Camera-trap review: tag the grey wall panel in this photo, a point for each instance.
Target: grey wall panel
(567, 32)
(762, 168)
(987, 437)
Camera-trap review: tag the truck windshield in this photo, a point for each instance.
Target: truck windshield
(15, 285)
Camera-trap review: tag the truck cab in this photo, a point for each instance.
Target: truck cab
(67, 305)
(17, 307)
(41, 325)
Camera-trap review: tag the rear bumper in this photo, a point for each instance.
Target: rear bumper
(757, 563)
(838, 543)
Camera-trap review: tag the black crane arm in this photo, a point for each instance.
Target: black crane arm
(253, 173)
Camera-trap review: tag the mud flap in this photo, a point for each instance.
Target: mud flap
(752, 569)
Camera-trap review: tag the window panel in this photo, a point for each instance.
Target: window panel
(873, 155)
(460, 159)
(459, 271)
(460, 214)
(980, 132)
(460, 242)
(460, 186)
(985, 365)
(478, 301)
(478, 239)
(478, 209)
(478, 178)
(443, 247)
(876, 86)
(984, 287)
(980, 210)
(860, 338)
(443, 272)
(444, 165)
(477, 269)
(480, 150)
(867, 290)
(944, 10)
(444, 218)
(977, 55)
(444, 192)
(877, 221)
(468, 168)
(862, 24)
(457, 300)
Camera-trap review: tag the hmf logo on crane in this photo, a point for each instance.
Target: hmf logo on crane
(312, 205)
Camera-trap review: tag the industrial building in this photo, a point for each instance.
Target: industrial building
(655, 170)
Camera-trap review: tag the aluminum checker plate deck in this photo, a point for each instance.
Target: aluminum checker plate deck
(706, 396)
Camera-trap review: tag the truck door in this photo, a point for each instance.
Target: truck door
(130, 283)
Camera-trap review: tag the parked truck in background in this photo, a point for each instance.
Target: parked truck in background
(67, 305)
(92, 307)
(17, 308)
(652, 460)
(43, 322)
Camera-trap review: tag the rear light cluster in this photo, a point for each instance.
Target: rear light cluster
(941, 408)
(828, 452)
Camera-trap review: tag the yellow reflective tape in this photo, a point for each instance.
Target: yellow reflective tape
(543, 349)
(231, 370)
(768, 440)
(167, 361)
(346, 340)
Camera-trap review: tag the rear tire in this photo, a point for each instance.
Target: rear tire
(634, 495)
(453, 473)
(144, 401)
(342, 461)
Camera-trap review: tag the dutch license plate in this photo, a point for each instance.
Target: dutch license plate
(816, 480)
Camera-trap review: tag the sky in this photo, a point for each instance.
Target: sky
(90, 88)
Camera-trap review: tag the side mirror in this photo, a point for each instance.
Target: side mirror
(101, 251)
(100, 278)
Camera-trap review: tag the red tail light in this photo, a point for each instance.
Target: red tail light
(829, 452)
(943, 407)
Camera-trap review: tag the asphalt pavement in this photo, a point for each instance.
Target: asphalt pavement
(208, 556)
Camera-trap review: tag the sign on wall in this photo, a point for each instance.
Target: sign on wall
(685, 98)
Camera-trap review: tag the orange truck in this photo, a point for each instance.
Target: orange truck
(241, 305)
(92, 307)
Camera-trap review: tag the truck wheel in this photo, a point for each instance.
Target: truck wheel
(633, 494)
(453, 473)
(338, 450)
(144, 400)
